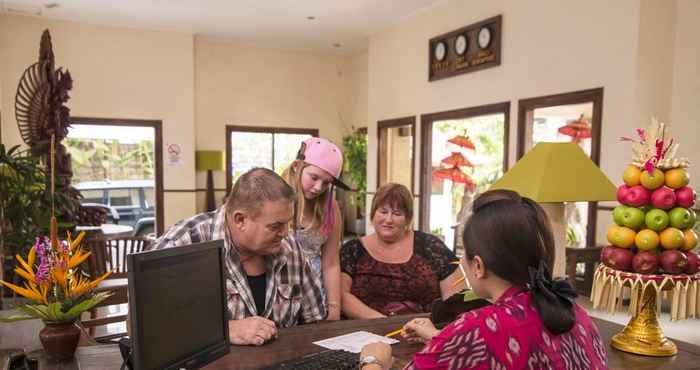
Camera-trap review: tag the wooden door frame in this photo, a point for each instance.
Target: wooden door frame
(390, 123)
(427, 121)
(157, 125)
(594, 96)
(260, 129)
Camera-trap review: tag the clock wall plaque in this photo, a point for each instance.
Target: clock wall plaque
(468, 49)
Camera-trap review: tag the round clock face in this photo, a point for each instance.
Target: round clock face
(461, 45)
(440, 51)
(484, 37)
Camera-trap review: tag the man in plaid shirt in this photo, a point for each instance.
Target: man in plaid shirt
(269, 284)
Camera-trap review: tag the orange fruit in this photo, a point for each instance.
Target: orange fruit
(672, 238)
(653, 181)
(646, 240)
(676, 178)
(631, 175)
(690, 240)
(621, 236)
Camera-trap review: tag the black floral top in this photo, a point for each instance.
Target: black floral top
(398, 288)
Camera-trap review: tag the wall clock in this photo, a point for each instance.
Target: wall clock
(440, 51)
(461, 44)
(484, 37)
(466, 49)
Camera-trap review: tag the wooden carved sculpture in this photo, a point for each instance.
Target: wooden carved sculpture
(41, 113)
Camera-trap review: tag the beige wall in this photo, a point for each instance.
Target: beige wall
(117, 73)
(657, 32)
(685, 96)
(237, 84)
(549, 47)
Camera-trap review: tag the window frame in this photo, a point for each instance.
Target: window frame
(258, 129)
(594, 96)
(157, 126)
(427, 121)
(383, 126)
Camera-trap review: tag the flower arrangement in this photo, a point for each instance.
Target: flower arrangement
(53, 281)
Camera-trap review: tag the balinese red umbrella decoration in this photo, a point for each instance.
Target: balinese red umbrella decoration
(456, 159)
(462, 141)
(578, 130)
(455, 175)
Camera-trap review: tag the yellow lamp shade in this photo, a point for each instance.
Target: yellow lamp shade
(209, 160)
(557, 172)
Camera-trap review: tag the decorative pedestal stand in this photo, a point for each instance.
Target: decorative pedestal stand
(643, 334)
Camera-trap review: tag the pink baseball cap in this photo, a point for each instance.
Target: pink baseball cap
(324, 155)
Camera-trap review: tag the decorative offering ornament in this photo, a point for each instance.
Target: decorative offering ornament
(651, 254)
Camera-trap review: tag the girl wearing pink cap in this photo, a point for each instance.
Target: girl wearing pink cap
(317, 222)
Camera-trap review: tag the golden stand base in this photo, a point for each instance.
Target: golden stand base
(643, 335)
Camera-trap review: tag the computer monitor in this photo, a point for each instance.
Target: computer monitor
(178, 309)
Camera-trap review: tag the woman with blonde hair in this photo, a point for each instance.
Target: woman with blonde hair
(317, 223)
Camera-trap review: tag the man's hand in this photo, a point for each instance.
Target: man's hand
(419, 330)
(253, 330)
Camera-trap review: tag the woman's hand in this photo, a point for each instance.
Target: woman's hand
(381, 351)
(419, 330)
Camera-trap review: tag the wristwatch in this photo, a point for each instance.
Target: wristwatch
(369, 360)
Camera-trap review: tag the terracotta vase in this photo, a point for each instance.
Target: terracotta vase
(60, 339)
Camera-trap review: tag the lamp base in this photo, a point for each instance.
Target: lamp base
(555, 214)
(643, 335)
(211, 202)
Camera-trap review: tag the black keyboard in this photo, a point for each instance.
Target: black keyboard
(325, 360)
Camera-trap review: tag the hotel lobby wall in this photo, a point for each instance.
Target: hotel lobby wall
(244, 85)
(685, 94)
(549, 47)
(117, 73)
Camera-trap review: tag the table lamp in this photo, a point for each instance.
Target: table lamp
(554, 173)
(209, 160)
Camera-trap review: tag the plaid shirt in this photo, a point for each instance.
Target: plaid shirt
(293, 294)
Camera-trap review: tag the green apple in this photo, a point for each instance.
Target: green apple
(617, 214)
(633, 218)
(681, 218)
(656, 219)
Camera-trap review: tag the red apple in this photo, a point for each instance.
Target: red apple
(605, 253)
(673, 261)
(619, 259)
(685, 197)
(663, 198)
(622, 193)
(637, 196)
(645, 263)
(693, 263)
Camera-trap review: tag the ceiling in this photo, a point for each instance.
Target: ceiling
(272, 23)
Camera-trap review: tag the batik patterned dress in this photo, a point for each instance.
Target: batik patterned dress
(510, 335)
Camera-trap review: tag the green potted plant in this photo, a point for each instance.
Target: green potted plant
(22, 195)
(355, 151)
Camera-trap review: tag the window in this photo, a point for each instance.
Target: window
(270, 147)
(464, 152)
(119, 167)
(569, 117)
(396, 151)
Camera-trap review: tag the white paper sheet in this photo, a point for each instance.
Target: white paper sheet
(353, 342)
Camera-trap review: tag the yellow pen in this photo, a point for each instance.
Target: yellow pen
(395, 332)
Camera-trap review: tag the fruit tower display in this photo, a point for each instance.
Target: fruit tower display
(653, 230)
(651, 255)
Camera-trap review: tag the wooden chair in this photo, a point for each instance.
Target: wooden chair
(591, 257)
(109, 254)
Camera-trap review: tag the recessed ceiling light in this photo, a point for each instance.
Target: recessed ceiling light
(311, 17)
(51, 5)
(337, 45)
